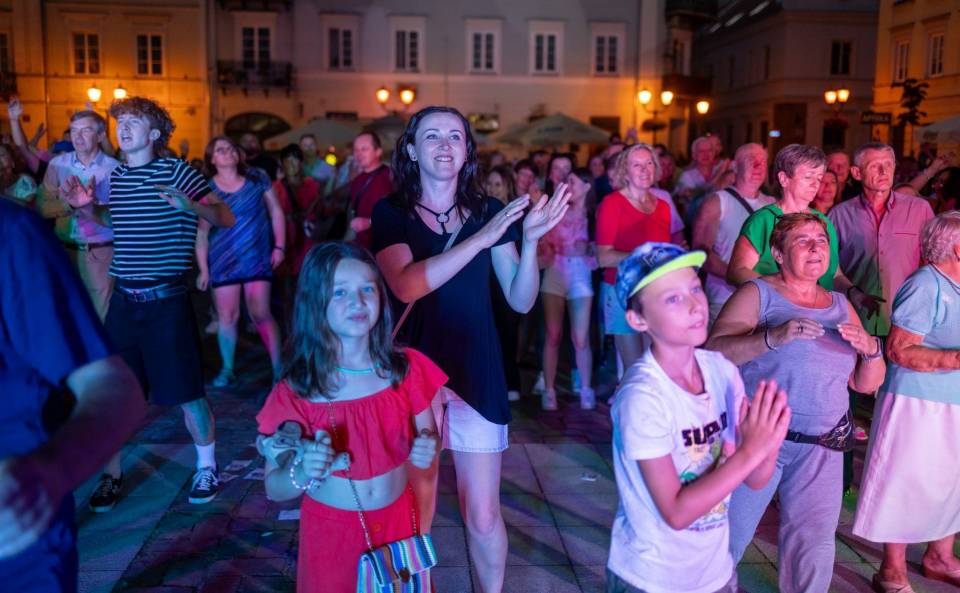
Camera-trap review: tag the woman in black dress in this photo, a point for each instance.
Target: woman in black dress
(451, 321)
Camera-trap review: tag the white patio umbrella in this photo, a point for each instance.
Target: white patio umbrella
(946, 131)
(554, 130)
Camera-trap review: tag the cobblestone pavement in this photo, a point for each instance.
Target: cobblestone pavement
(558, 498)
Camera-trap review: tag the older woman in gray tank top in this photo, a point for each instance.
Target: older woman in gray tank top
(786, 327)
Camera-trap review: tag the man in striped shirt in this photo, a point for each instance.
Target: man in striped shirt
(154, 206)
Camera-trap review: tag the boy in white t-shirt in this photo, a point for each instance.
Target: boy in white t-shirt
(683, 435)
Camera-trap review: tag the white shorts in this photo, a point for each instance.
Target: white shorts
(568, 277)
(463, 429)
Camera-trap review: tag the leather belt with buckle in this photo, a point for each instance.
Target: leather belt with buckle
(155, 293)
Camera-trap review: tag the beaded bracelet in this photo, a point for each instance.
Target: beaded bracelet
(293, 478)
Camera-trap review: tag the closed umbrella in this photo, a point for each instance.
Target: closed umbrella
(327, 131)
(943, 132)
(554, 130)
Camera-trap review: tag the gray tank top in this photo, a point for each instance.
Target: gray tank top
(815, 373)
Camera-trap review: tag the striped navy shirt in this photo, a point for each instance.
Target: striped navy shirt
(151, 238)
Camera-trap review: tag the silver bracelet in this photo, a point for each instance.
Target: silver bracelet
(293, 479)
(876, 354)
(766, 340)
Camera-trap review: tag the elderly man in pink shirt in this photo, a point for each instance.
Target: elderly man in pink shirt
(879, 234)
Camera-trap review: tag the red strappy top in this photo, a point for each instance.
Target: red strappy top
(377, 429)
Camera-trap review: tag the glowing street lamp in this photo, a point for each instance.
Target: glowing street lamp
(830, 97)
(94, 93)
(407, 96)
(119, 93)
(645, 97)
(666, 97)
(703, 107)
(382, 95)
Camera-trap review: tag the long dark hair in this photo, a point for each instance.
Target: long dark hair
(406, 171)
(548, 183)
(209, 170)
(313, 350)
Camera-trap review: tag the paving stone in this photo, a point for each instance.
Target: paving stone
(540, 546)
(540, 579)
(575, 509)
(587, 546)
(451, 546)
(452, 579)
(521, 510)
(97, 581)
(569, 480)
(565, 455)
(592, 579)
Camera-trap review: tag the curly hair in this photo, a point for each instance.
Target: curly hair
(939, 237)
(158, 117)
(407, 171)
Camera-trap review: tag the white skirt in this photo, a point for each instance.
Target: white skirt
(910, 491)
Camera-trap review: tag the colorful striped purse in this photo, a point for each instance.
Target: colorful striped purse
(399, 567)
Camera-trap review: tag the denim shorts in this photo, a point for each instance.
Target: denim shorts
(614, 316)
(463, 429)
(568, 277)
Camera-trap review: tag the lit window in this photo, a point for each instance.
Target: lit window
(150, 55)
(86, 53)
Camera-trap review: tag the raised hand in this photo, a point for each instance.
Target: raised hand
(546, 214)
(41, 130)
(795, 329)
(79, 194)
(764, 421)
(424, 449)
(14, 108)
(858, 337)
(501, 221)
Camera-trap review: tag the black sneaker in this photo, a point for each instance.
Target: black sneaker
(105, 495)
(206, 484)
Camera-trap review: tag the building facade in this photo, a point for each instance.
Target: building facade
(283, 63)
(53, 51)
(771, 61)
(917, 39)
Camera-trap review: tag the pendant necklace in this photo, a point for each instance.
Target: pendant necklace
(442, 217)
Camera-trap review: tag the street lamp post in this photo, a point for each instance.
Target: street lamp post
(406, 94)
(645, 97)
(836, 98)
(94, 94)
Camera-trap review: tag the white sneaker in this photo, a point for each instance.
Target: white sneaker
(548, 400)
(575, 380)
(513, 395)
(588, 399)
(540, 386)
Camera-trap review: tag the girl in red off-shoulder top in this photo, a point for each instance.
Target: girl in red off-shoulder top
(350, 391)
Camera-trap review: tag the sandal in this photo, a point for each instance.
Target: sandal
(946, 576)
(880, 586)
(224, 379)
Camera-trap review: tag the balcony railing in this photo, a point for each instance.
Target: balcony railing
(267, 75)
(687, 86)
(256, 5)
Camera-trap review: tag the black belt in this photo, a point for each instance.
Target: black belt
(86, 246)
(838, 438)
(155, 293)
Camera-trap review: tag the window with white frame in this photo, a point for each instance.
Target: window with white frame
(255, 46)
(901, 60)
(608, 48)
(86, 53)
(150, 54)
(840, 58)
(935, 54)
(341, 41)
(546, 47)
(408, 38)
(483, 46)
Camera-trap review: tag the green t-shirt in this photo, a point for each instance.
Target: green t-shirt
(758, 228)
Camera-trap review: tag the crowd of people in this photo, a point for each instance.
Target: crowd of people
(752, 310)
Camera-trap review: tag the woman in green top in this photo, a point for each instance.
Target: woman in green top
(799, 169)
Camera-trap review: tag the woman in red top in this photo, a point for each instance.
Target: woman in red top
(350, 392)
(626, 219)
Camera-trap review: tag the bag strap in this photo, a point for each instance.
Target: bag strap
(356, 495)
(406, 311)
(743, 202)
(354, 204)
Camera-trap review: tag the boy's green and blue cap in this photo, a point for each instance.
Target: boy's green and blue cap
(650, 261)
